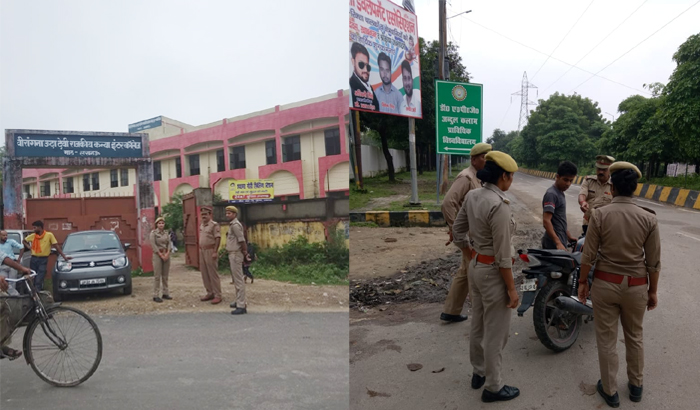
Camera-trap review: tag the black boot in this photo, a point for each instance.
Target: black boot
(452, 318)
(478, 381)
(612, 401)
(506, 393)
(239, 311)
(635, 392)
(157, 299)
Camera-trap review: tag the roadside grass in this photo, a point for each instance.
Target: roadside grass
(300, 262)
(690, 182)
(364, 225)
(139, 273)
(380, 187)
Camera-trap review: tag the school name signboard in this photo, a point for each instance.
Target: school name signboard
(458, 116)
(81, 146)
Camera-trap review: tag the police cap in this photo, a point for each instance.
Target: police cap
(503, 160)
(622, 165)
(481, 148)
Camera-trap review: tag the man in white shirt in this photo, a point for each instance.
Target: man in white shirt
(410, 104)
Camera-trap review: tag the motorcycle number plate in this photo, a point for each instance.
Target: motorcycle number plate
(529, 285)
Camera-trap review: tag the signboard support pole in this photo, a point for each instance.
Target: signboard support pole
(412, 154)
(438, 168)
(358, 148)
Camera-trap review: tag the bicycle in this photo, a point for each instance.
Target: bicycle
(62, 344)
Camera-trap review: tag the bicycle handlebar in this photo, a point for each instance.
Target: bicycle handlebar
(31, 275)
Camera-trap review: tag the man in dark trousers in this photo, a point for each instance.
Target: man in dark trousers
(41, 242)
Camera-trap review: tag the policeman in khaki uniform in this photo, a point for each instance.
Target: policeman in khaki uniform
(463, 183)
(487, 218)
(596, 190)
(623, 243)
(209, 240)
(237, 249)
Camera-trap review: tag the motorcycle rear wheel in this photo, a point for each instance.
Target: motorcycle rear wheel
(556, 330)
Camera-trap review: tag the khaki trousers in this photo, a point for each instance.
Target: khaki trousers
(236, 261)
(161, 270)
(459, 288)
(210, 277)
(490, 322)
(610, 302)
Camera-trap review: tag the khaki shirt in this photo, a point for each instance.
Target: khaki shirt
(463, 183)
(160, 240)
(487, 218)
(234, 236)
(623, 238)
(597, 194)
(209, 234)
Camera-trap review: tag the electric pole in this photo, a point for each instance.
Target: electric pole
(442, 170)
(525, 101)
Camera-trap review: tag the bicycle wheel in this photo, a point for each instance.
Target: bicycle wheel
(65, 350)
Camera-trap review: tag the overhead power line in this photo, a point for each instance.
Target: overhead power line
(563, 38)
(596, 46)
(638, 44)
(554, 58)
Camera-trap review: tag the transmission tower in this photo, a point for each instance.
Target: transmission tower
(525, 101)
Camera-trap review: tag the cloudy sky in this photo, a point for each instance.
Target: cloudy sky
(100, 65)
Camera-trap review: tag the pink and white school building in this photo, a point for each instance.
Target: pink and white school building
(303, 147)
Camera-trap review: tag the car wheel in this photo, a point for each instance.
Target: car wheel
(56, 296)
(127, 289)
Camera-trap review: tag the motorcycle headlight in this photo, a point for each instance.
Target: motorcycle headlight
(64, 266)
(119, 262)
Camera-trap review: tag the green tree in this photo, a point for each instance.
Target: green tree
(500, 140)
(561, 128)
(173, 213)
(681, 103)
(393, 130)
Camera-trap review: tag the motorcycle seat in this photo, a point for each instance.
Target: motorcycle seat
(554, 252)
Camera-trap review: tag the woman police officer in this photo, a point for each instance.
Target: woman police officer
(487, 217)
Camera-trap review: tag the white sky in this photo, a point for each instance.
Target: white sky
(100, 65)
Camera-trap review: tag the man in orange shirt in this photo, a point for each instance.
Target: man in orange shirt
(41, 242)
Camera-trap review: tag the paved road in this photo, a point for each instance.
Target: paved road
(383, 343)
(202, 361)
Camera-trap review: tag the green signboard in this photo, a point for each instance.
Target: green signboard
(458, 116)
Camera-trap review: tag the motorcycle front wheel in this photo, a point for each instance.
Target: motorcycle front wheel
(556, 329)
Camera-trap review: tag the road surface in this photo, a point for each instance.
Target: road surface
(201, 361)
(383, 343)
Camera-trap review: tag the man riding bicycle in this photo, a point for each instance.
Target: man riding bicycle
(5, 328)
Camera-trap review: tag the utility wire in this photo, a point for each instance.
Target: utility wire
(596, 46)
(563, 38)
(627, 52)
(506, 114)
(555, 58)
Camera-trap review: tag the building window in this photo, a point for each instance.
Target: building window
(27, 192)
(95, 181)
(332, 141)
(194, 164)
(113, 181)
(271, 152)
(157, 176)
(178, 168)
(124, 177)
(86, 182)
(68, 185)
(292, 149)
(238, 157)
(292, 198)
(220, 166)
(337, 194)
(45, 189)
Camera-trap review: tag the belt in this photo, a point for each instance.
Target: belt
(207, 247)
(617, 279)
(485, 259)
(40, 257)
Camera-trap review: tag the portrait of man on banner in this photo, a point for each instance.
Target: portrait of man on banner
(361, 93)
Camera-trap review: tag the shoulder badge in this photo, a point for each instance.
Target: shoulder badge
(591, 177)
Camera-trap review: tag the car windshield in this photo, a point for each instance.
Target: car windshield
(15, 236)
(88, 243)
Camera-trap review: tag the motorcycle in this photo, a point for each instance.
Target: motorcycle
(551, 287)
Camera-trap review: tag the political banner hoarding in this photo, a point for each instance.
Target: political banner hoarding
(458, 116)
(384, 59)
(252, 190)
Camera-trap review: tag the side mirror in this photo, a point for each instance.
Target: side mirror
(127, 245)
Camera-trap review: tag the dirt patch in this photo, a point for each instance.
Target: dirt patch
(381, 203)
(426, 281)
(186, 288)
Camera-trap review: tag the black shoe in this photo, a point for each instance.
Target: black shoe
(452, 318)
(168, 297)
(239, 311)
(232, 305)
(159, 300)
(478, 381)
(635, 392)
(506, 393)
(612, 401)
